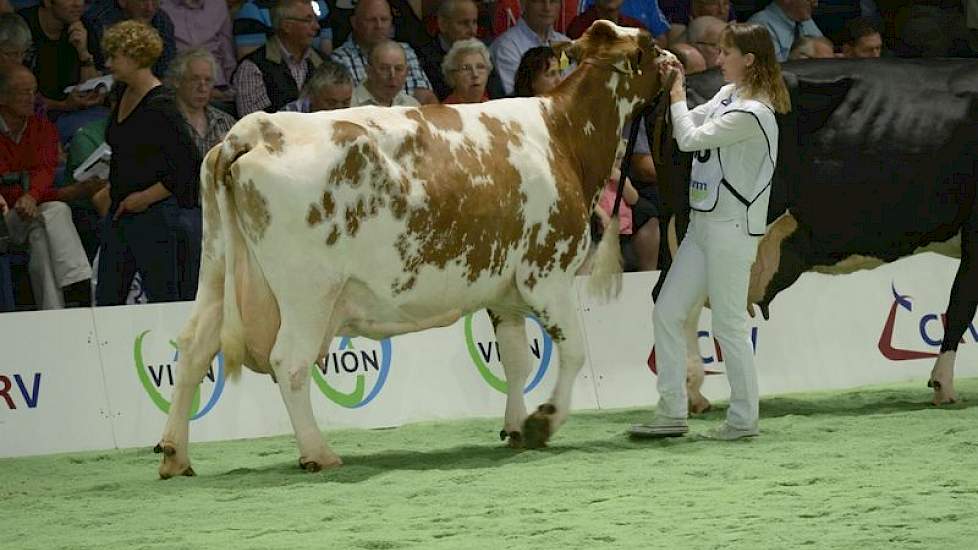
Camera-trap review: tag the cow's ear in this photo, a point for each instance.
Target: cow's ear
(567, 52)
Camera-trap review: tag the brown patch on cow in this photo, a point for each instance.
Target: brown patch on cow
(441, 117)
(490, 228)
(253, 206)
(314, 218)
(329, 205)
(271, 136)
(345, 133)
(494, 318)
(531, 281)
(769, 256)
(555, 332)
(333, 235)
(355, 214)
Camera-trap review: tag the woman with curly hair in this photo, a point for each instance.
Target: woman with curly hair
(151, 175)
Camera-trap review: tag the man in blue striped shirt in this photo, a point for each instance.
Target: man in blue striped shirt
(372, 24)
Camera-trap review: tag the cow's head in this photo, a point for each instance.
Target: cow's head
(631, 57)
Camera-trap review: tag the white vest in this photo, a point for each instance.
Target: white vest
(750, 191)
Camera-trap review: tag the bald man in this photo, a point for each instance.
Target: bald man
(690, 57)
(372, 24)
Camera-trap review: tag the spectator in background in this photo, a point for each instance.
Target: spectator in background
(62, 56)
(271, 76)
(861, 39)
(203, 24)
(152, 173)
(330, 87)
(610, 10)
(691, 58)
(253, 26)
(812, 47)
(538, 73)
(535, 28)
(58, 269)
(457, 20)
(467, 67)
(88, 199)
(787, 21)
(102, 14)
(371, 23)
(683, 11)
(191, 76)
(704, 35)
(387, 69)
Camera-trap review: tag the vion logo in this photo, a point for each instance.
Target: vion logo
(19, 388)
(930, 328)
(346, 372)
(712, 355)
(484, 352)
(158, 374)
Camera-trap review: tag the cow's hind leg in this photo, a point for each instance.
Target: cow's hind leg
(556, 312)
(698, 404)
(296, 349)
(511, 336)
(960, 311)
(198, 344)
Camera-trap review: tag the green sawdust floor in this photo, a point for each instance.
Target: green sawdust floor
(871, 468)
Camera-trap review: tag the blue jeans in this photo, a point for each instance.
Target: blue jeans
(146, 242)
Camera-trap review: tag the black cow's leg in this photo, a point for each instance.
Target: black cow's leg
(960, 311)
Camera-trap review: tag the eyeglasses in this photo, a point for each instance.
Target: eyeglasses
(306, 20)
(711, 45)
(478, 68)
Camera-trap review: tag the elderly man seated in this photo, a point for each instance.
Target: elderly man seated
(330, 87)
(387, 71)
(59, 269)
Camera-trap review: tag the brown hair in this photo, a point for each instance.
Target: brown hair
(134, 39)
(763, 76)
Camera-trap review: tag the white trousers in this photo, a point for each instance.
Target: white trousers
(57, 256)
(714, 260)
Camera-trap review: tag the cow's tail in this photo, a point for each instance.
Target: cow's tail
(232, 328)
(607, 264)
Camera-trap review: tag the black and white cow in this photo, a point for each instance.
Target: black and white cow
(878, 160)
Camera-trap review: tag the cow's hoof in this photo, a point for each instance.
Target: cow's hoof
(943, 393)
(320, 464)
(699, 405)
(537, 427)
(515, 440)
(172, 465)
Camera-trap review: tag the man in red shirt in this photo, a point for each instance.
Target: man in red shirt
(602, 9)
(28, 157)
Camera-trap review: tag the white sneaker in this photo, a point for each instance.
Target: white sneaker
(661, 426)
(726, 432)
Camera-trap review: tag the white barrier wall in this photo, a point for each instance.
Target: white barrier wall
(98, 379)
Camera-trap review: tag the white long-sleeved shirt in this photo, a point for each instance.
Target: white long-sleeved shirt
(744, 147)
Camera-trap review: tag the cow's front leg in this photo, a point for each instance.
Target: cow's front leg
(511, 336)
(561, 322)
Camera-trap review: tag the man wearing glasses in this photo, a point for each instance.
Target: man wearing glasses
(271, 76)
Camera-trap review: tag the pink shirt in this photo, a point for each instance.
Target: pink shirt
(607, 203)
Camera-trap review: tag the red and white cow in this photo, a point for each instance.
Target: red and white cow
(381, 221)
